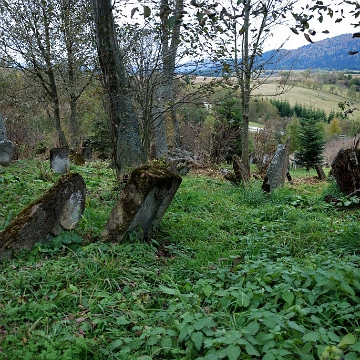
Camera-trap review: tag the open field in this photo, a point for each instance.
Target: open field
(317, 99)
(303, 96)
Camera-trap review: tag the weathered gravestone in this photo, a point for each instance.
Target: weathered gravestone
(7, 148)
(278, 168)
(346, 170)
(59, 209)
(7, 151)
(142, 202)
(59, 159)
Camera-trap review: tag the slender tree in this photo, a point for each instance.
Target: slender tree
(128, 150)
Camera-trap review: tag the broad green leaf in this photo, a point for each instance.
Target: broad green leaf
(288, 297)
(295, 326)
(251, 350)
(152, 340)
(346, 287)
(207, 289)
(355, 347)
(311, 336)
(144, 357)
(233, 352)
(158, 331)
(116, 344)
(348, 339)
(204, 322)
(197, 338)
(185, 331)
(270, 322)
(242, 299)
(269, 356)
(167, 290)
(86, 326)
(166, 342)
(188, 318)
(122, 320)
(333, 336)
(252, 328)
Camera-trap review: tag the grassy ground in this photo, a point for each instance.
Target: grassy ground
(230, 273)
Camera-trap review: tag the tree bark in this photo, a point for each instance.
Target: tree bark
(169, 50)
(128, 150)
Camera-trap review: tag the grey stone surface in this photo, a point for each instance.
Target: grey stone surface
(276, 173)
(7, 151)
(59, 159)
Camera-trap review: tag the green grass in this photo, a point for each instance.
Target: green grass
(230, 273)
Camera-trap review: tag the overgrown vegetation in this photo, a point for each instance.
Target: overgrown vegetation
(231, 273)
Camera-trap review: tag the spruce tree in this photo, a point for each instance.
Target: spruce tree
(311, 143)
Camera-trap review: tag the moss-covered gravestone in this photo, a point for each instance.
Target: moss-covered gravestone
(59, 209)
(346, 170)
(142, 203)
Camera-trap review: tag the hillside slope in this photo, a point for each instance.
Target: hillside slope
(331, 53)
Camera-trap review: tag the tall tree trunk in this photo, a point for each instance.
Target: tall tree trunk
(245, 92)
(128, 150)
(170, 41)
(74, 124)
(56, 110)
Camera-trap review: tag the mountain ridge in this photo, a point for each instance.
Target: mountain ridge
(331, 53)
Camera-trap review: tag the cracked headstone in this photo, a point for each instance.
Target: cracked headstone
(60, 208)
(142, 202)
(59, 159)
(278, 168)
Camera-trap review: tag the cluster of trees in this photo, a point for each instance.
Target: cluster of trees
(66, 48)
(301, 111)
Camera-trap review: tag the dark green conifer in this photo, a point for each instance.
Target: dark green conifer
(311, 143)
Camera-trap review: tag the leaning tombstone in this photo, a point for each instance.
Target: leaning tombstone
(59, 209)
(278, 168)
(345, 168)
(142, 203)
(59, 159)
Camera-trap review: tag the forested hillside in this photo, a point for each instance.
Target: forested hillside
(331, 53)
